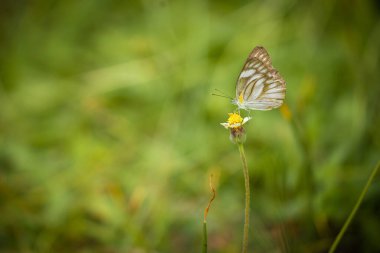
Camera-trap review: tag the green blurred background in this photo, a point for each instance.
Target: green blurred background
(109, 132)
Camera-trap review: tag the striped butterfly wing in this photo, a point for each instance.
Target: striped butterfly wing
(259, 84)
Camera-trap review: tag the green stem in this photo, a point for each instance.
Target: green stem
(356, 207)
(247, 197)
(204, 244)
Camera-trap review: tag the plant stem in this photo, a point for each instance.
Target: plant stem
(247, 197)
(204, 244)
(356, 207)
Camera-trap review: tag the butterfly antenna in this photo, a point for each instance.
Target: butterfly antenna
(218, 95)
(220, 91)
(221, 94)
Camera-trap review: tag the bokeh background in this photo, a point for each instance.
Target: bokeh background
(109, 131)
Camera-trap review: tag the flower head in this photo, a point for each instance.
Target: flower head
(235, 123)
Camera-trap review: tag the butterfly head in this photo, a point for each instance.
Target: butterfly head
(240, 102)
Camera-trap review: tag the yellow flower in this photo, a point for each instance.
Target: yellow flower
(235, 121)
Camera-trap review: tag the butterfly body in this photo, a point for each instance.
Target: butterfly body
(259, 86)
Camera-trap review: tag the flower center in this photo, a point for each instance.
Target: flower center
(234, 118)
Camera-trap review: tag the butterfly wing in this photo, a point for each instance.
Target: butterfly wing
(261, 86)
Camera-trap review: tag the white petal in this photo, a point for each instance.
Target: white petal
(246, 119)
(226, 125)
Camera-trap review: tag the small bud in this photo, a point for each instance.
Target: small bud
(237, 135)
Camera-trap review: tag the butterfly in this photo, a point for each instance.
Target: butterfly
(259, 86)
